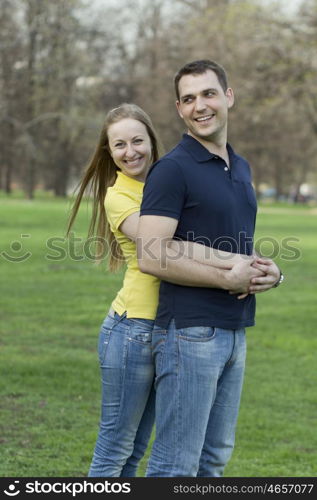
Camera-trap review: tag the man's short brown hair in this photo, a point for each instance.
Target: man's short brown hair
(198, 68)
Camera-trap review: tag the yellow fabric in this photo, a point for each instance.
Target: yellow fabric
(139, 294)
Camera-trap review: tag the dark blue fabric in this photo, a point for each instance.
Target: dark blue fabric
(215, 206)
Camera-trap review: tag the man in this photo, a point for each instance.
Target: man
(200, 191)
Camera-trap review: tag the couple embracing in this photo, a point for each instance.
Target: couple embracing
(172, 347)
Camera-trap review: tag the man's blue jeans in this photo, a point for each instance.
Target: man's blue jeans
(128, 402)
(199, 377)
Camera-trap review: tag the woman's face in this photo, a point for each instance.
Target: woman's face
(130, 147)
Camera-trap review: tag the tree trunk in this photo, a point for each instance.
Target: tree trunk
(62, 170)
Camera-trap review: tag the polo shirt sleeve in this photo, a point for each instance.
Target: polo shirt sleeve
(118, 207)
(164, 191)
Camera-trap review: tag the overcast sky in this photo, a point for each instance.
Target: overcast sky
(291, 5)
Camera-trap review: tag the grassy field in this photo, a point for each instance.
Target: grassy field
(53, 300)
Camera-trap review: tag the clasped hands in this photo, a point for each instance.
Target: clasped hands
(251, 275)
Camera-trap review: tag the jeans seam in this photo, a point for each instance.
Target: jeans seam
(105, 348)
(163, 341)
(122, 380)
(178, 437)
(233, 356)
(116, 323)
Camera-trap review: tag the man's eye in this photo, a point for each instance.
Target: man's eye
(210, 93)
(187, 100)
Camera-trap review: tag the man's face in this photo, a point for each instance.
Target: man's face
(203, 105)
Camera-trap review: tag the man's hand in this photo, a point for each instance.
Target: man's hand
(270, 276)
(241, 275)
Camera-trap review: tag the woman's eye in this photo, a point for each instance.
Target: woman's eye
(138, 141)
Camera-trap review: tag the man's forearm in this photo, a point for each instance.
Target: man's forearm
(208, 255)
(155, 256)
(170, 265)
(173, 266)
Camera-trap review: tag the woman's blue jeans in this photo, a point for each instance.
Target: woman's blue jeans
(128, 401)
(199, 376)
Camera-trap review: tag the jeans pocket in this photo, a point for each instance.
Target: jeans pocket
(141, 331)
(197, 333)
(107, 326)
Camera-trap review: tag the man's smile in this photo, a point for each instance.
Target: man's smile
(204, 118)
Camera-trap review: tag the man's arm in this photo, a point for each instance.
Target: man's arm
(197, 251)
(208, 255)
(155, 256)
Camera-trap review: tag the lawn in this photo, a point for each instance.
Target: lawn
(53, 299)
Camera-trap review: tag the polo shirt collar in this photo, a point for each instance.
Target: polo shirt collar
(198, 151)
(123, 181)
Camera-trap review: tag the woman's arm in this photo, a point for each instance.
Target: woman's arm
(129, 227)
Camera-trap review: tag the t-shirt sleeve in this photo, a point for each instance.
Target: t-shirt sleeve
(164, 191)
(118, 207)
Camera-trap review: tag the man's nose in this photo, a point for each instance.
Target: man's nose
(200, 104)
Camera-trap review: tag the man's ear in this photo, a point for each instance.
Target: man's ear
(230, 97)
(178, 109)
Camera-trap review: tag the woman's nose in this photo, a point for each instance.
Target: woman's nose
(130, 151)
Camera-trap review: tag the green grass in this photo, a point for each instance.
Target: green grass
(49, 377)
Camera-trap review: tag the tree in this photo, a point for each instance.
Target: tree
(9, 48)
(67, 68)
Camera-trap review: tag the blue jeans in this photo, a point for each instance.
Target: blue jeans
(199, 377)
(128, 402)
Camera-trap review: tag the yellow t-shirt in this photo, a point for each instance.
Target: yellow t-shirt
(139, 293)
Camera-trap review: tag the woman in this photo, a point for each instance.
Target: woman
(127, 147)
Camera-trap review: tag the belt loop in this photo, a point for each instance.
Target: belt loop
(123, 316)
(112, 313)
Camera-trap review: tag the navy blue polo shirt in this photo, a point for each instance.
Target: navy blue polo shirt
(214, 205)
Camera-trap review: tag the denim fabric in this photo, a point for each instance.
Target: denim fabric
(199, 376)
(128, 402)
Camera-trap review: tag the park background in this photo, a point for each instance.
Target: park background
(63, 64)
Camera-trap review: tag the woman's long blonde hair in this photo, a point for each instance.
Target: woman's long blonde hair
(101, 172)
